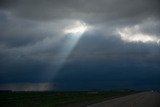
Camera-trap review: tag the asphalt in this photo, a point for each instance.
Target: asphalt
(144, 99)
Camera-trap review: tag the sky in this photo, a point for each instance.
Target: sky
(79, 44)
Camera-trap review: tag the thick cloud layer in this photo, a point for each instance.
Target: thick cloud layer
(120, 46)
(103, 10)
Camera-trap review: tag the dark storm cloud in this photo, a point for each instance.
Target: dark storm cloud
(88, 10)
(19, 32)
(20, 15)
(32, 38)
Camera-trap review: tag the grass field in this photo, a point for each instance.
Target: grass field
(55, 99)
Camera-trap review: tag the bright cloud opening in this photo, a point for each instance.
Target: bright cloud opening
(77, 27)
(134, 34)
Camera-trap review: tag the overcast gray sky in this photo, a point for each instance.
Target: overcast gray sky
(80, 44)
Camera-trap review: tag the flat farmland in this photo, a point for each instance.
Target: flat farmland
(57, 99)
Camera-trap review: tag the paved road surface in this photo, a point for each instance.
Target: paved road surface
(145, 99)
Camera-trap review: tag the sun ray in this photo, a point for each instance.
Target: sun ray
(72, 35)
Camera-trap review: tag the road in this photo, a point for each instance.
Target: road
(144, 99)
